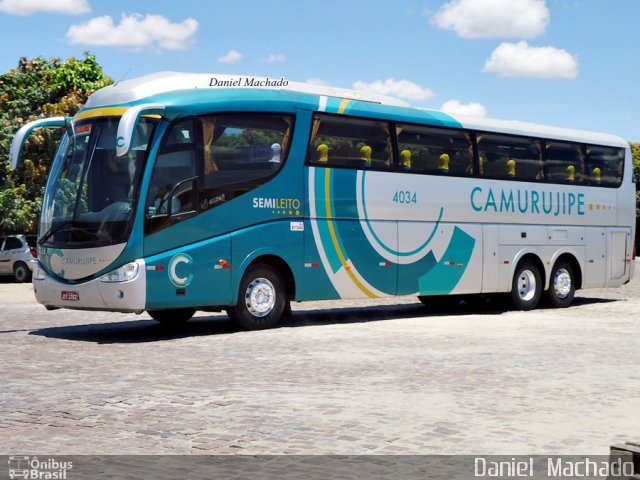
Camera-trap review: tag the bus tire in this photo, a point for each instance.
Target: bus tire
(562, 285)
(172, 315)
(526, 288)
(261, 298)
(21, 272)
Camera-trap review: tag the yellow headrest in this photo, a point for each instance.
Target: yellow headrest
(323, 150)
(597, 173)
(366, 153)
(511, 167)
(571, 173)
(444, 161)
(406, 158)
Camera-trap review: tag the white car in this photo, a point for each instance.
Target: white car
(18, 256)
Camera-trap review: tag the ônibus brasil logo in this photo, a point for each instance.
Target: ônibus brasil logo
(21, 466)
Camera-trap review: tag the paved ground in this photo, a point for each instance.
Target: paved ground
(388, 377)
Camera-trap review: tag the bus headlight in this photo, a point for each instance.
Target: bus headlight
(123, 274)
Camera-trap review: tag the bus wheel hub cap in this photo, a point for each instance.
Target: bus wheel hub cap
(562, 283)
(526, 285)
(260, 297)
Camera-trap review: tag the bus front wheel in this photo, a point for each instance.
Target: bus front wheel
(261, 298)
(562, 286)
(527, 286)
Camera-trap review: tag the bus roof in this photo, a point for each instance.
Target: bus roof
(164, 82)
(138, 89)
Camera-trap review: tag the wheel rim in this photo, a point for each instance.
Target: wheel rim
(260, 297)
(562, 283)
(526, 285)
(21, 273)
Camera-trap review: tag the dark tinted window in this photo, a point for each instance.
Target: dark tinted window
(510, 158)
(435, 150)
(241, 152)
(32, 240)
(175, 165)
(12, 243)
(338, 141)
(604, 166)
(564, 162)
(206, 161)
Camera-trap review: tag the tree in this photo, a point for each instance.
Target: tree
(635, 152)
(38, 88)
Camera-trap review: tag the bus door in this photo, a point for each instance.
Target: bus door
(618, 253)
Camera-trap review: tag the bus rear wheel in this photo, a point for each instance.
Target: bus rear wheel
(526, 288)
(261, 298)
(562, 285)
(172, 315)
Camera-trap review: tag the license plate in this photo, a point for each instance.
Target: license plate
(69, 296)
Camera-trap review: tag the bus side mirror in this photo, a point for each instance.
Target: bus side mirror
(17, 144)
(128, 122)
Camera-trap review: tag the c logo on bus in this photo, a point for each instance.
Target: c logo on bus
(177, 280)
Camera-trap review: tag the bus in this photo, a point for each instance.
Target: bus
(174, 193)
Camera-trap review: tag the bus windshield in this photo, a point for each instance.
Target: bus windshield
(91, 193)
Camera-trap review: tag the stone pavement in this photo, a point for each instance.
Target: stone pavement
(376, 377)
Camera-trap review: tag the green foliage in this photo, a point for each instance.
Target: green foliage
(635, 152)
(38, 88)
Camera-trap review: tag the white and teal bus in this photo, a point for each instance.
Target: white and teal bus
(174, 193)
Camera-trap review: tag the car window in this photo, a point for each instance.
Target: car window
(32, 240)
(12, 243)
(1, 242)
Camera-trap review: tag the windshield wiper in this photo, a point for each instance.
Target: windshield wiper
(68, 227)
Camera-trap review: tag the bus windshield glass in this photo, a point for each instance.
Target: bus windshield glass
(91, 193)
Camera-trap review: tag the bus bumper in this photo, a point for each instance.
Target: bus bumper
(128, 296)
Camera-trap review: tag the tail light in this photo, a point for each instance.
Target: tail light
(34, 252)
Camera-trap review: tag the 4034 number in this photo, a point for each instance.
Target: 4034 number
(405, 197)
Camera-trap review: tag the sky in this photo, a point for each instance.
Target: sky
(564, 63)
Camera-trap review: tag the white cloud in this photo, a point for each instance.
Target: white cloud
(136, 32)
(29, 7)
(456, 107)
(494, 18)
(522, 60)
(404, 89)
(318, 81)
(274, 58)
(231, 57)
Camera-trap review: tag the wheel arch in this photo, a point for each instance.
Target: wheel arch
(529, 256)
(274, 261)
(573, 262)
(535, 259)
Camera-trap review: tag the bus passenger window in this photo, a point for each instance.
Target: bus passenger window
(605, 166)
(349, 142)
(564, 162)
(436, 151)
(510, 157)
(241, 152)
